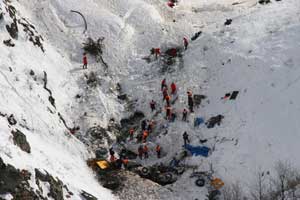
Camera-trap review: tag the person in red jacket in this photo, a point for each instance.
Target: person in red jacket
(164, 84)
(171, 4)
(185, 43)
(173, 88)
(85, 62)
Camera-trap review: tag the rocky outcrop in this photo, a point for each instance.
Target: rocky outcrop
(20, 140)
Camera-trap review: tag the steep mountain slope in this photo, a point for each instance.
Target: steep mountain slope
(257, 54)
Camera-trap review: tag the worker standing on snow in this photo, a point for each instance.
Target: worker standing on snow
(152, 105)
(168, 112)
(140, 152)
(165, 93)
(190, 101)
(84, 60)
(143, 125)
(156, 52)
(158, 150)
(146, 155)
(168, 98)
(185, 43)
(184, 115)
(164, 84)
(185, 138)
(145, 136)
(173, 88)
(131, 132)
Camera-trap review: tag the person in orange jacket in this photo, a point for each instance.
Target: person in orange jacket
(173, 88)
(145, 135)
(158, 150)
(168, 112)
(146, 150)
(131, 133)
(168, 98)
(125, 162)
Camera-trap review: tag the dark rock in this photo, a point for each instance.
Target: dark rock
(11, 120)
(101, 153)
(92, 79)
(10, 178)
(87, 196)
(78, 96)
(228, 22)
(20, 140)
(196, 35)
(264, 2)
(132, 120)
(122, 97)
(31, 72)
(8, 43)
(13, 29)
(56, 186)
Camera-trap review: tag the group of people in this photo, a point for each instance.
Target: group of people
(172, 52)
(143, 151)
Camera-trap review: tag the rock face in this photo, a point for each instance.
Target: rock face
(56, 186)
(15, 182)
(21, 141)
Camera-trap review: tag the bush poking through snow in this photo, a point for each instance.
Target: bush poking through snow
(94, 47)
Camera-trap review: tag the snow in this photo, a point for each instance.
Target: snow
(259, 52)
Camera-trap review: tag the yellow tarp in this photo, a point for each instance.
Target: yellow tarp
(217, 183)
(103, 164)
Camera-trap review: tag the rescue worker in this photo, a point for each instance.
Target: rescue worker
(158, 150)
(84, 61)
(163, 84)
(185, 43)
(145, 136)
(112, 158)
(152, 105)
(165, 92)
(131, 132)
(190, 101)
(173, 88)
(150, 125)
(111, 152)
(171, 4)
(168, 112)
(168, 98)
(185, 138)
(155, 51)
(145, 150)
(144, 125)
(125, 162)
(140, 152)
(184, 115)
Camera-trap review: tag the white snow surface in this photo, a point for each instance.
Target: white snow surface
(260, 126)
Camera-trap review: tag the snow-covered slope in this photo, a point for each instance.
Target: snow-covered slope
(22, 94)
(257, 55)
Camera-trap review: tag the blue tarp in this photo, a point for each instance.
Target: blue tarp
(197, 150)
(198, 121)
